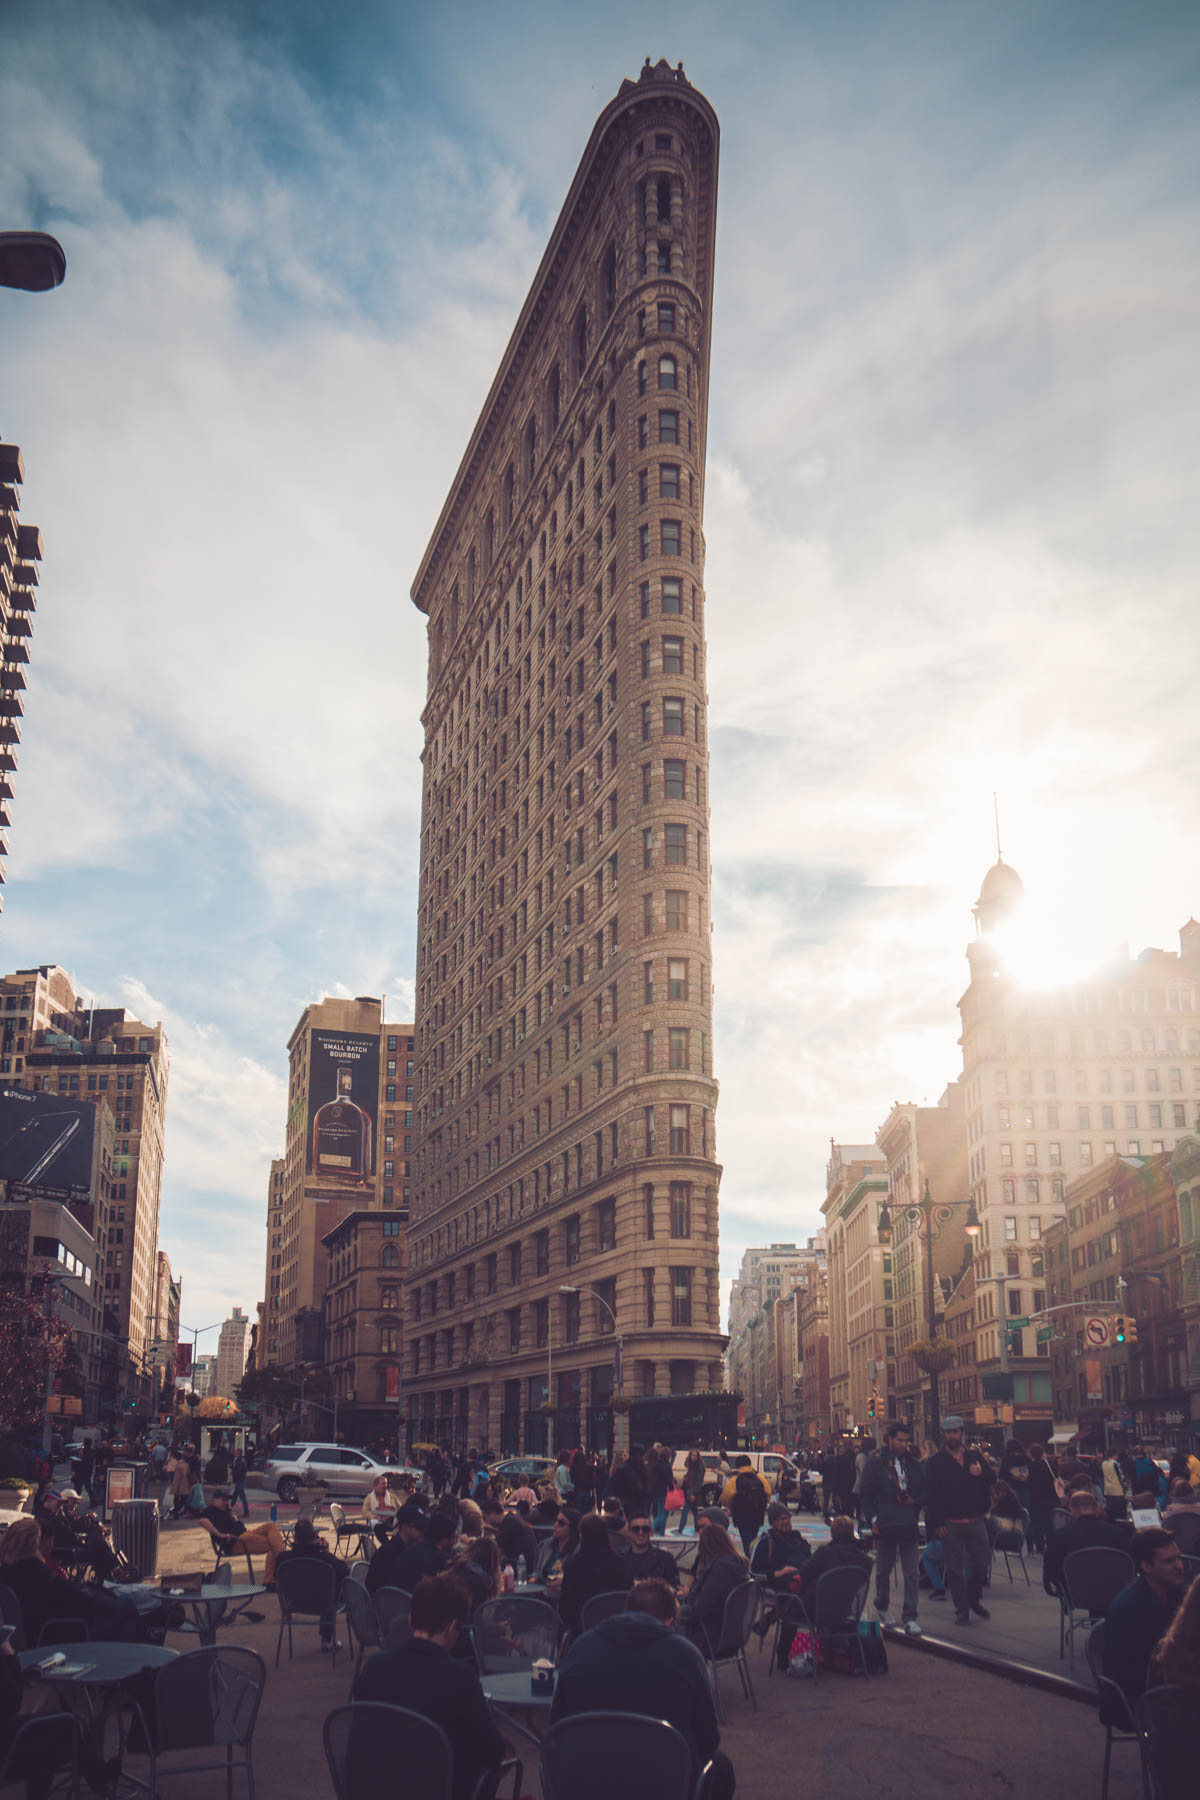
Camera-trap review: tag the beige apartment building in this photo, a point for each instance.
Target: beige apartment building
(762, 1358)
(566, 1096)
(55, 1042)
(861, 1309)
(1056, 1081)
(20, 554)
(924, 1144)
(347, 1150)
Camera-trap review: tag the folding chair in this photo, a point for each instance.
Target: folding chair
(737, 1622)
(1092, 1579)
(349, 1531)
(206, 1700)
(512, 1632)
(1169, 1722)
(603, 1606)
(593, 1755)
(836, 1609)
(367, 1737)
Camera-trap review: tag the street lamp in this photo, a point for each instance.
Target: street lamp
(935, 1217)
(616, 1328)
(31, 260)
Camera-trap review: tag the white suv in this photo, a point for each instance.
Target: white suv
(345, 1474)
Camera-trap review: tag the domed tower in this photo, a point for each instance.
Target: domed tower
(999, 897)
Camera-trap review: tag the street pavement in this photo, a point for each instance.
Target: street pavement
(930, 1730)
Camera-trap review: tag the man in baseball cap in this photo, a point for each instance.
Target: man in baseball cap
(958, 1492)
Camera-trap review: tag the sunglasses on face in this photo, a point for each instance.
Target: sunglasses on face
(642, 1530)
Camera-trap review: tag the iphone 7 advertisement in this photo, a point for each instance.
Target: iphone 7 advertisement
(46, 1143)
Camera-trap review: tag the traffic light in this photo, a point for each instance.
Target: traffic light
(871, 1407)
(1131, 1336)
(1119, 1329)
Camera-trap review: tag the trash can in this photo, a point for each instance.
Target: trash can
(135, 1536)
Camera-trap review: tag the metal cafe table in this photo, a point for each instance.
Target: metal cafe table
(95, 1671)
(207, 1606)
(514, 1693)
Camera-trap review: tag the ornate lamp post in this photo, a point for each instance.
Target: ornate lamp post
(930, 1219)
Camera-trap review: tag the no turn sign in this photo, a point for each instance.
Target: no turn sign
(1095, 1332)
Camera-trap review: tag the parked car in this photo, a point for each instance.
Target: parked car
(346, 1474)
(515, 1469)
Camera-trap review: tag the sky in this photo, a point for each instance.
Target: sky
(951, 520)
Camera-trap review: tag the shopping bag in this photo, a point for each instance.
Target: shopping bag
(675, 1500)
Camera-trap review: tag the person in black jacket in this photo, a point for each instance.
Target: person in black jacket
(594, 1569)
(646, 1560)
(1088, 1530)
(420, 1547)
(1042, 1499)
(958, 1488)
(425, 1677)
(720, 1568)
(843, 1551)
(634, 1663)
(309, 1546)
(892, 1491)
(1141, 1612)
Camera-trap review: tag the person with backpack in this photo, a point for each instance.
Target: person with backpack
(746, 1496)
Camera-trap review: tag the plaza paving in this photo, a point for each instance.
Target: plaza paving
(930, 1728)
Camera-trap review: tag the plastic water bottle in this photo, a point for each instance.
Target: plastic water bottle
(506, 1579)
(520, 1570)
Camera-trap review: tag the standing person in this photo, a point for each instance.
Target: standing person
(658, 1471)
(238, 1472)
(437, 1473)
(583, 1481)
(181, 1486)
(1114, 1490)
(747, 1496)
(564, 1487)
(217, 1472)
(693, 1489)
(87, 1470)
(629, 1483)
(892, 1491)
(1042, 1500)
(957, 1497)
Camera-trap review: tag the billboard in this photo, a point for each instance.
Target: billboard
(46, 1143)
(343, 1097)
(183, 1359)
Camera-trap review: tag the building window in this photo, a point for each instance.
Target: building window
(668, 427)
(676, 909)
(571, 1239)
(648, 984)
(606, 1225)
(648, 1124)
(514, 1265)
(674, 779)
(668, 481)
(672, 716)
(541, 1251)
(514, 1328)
(672, 595)
(679, 1131)
(672, 656)
(675, 843)
(681, 1209)
(668, 373)
(670, 532)
(678, 1048)
(666, 315)
(681, 1296)
(677, 979)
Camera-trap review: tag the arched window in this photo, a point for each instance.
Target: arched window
(391, 1256)
(608, 280)
(579, 344)
(668, 373)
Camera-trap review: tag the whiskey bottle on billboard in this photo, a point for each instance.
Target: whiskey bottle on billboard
(342, 1135)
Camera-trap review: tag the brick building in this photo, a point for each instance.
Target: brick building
(20, 553)
(565, 1087)
(364, 1338)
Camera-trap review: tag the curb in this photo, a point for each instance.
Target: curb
(1024, 1674)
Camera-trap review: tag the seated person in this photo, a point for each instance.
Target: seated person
(843, 1551)
(230, 1534)
(380, 1507)
(594, 1569)
(83, 1543)
(720, 1567)
(782, 1552)
(546, 1510)
(476, 1566)
(523, 1494)
(1006, 1519)
(1142, 1611)
(309, 1546)
(557, 1550)
(1182, 1517)
(1175, 1661)
(420, 1547)
(427, 1678)
(634, 1662)
(1088, 1528)
(513, 1536)
(47, 1596)
(647, 1561)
